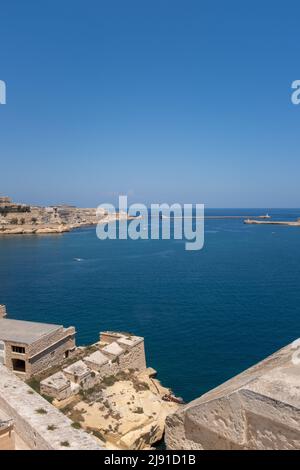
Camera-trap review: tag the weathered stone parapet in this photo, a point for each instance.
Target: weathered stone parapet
(125, 349)
(109, 336)
(258, 409)
(37, 422)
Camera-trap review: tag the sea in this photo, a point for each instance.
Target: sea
(205, 315)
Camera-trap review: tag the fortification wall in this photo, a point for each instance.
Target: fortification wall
(37, 422)
(134, 358)
(258, 409)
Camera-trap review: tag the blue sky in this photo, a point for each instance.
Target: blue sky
(167, 101)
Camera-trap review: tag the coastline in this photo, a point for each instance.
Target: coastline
(22, 219)
(54, 229)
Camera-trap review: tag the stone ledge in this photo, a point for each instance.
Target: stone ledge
(37, 422)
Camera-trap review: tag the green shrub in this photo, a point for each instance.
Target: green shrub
(41, 411)
(76, 425)
(51, 427)
(35, 384)
(65, 444)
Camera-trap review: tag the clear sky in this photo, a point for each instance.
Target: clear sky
(164, 100)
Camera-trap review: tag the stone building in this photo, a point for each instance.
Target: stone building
(28, 348)
(7, 206)
(258, 409)
(4, 200)
(114, 352)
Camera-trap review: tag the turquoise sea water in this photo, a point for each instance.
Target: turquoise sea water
(205, 315)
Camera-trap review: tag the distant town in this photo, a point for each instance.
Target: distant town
(23, 219)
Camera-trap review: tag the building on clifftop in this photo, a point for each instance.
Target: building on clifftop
(27, 348)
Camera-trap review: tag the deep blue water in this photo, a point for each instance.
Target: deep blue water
(205, 315)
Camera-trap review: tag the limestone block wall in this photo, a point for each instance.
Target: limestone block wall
(50, 339)
(59, 394)
(55, 354)
(259, 409)
(270, 424)
(89, 381)
(39, 424)
(219, 424)
(134, 357)
(103, 369)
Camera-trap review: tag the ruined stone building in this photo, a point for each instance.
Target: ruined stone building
(113, 353)
(27, 348)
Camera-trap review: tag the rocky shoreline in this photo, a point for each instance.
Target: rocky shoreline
(21, 219)
(54, 229)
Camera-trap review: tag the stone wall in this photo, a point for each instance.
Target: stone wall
(39, 424)
(57, 386)
(134, 358)
(258, 409)
(55, 354)
(49, 339)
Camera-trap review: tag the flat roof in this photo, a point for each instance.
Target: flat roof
(26, 332)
